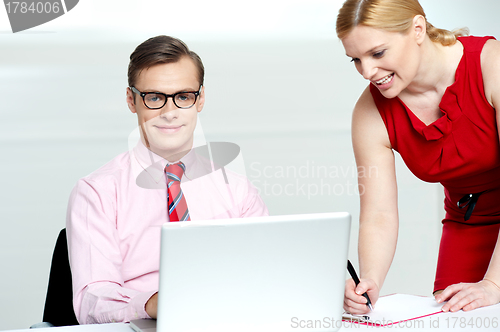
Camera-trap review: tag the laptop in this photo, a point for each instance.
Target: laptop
(279, 273)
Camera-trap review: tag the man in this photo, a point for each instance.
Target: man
(115, 213)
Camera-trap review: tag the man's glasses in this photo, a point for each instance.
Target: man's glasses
(156, 100)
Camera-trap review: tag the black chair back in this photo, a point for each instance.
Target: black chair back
(59, 301)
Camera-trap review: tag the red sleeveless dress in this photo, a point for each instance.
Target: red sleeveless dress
(461, 150)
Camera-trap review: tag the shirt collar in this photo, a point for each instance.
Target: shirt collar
(149, 162)
(197, 164)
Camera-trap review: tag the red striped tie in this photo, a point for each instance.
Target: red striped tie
(177, 206)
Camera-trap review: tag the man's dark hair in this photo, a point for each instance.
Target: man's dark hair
(158, 50)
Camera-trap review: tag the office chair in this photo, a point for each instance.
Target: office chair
(58, 309)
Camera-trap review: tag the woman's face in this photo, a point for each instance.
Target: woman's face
(389, 60)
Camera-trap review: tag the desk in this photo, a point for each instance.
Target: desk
(459, 322)
(116, 327)
(471, 321)
(402, 309)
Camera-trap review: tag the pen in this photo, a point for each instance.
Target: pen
(354, 276)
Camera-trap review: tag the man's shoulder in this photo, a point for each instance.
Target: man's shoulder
(236, 182)
(236, 178)
(111, 172)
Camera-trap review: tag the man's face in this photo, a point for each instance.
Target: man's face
(168, 131)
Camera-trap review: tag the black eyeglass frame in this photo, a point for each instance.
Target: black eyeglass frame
(143, 95)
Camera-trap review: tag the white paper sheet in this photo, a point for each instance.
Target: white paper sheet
(395, 308)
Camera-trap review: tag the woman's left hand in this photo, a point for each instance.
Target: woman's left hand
(469, 296)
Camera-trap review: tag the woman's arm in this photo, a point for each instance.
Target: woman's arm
(378, 228)
(468, 296)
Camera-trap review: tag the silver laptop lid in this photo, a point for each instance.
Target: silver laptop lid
(253, 274)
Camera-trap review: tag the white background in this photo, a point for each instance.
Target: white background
(277, 82)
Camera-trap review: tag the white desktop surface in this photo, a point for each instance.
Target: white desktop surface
(458, 321)
(447, 322)
(114, 327)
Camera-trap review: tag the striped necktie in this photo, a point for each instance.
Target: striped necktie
(177, 206)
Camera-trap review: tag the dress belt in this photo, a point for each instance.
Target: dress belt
(469, 200)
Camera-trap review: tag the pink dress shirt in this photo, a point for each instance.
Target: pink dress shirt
(113, 224)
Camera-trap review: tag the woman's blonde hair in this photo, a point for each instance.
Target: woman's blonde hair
(390, 15)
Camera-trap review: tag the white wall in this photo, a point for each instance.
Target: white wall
(278, 84)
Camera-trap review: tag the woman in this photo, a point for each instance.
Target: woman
(433, 98)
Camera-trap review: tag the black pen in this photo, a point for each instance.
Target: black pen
(354, 276)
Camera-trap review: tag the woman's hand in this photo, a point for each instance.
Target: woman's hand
(469, 296)
(354, 302)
